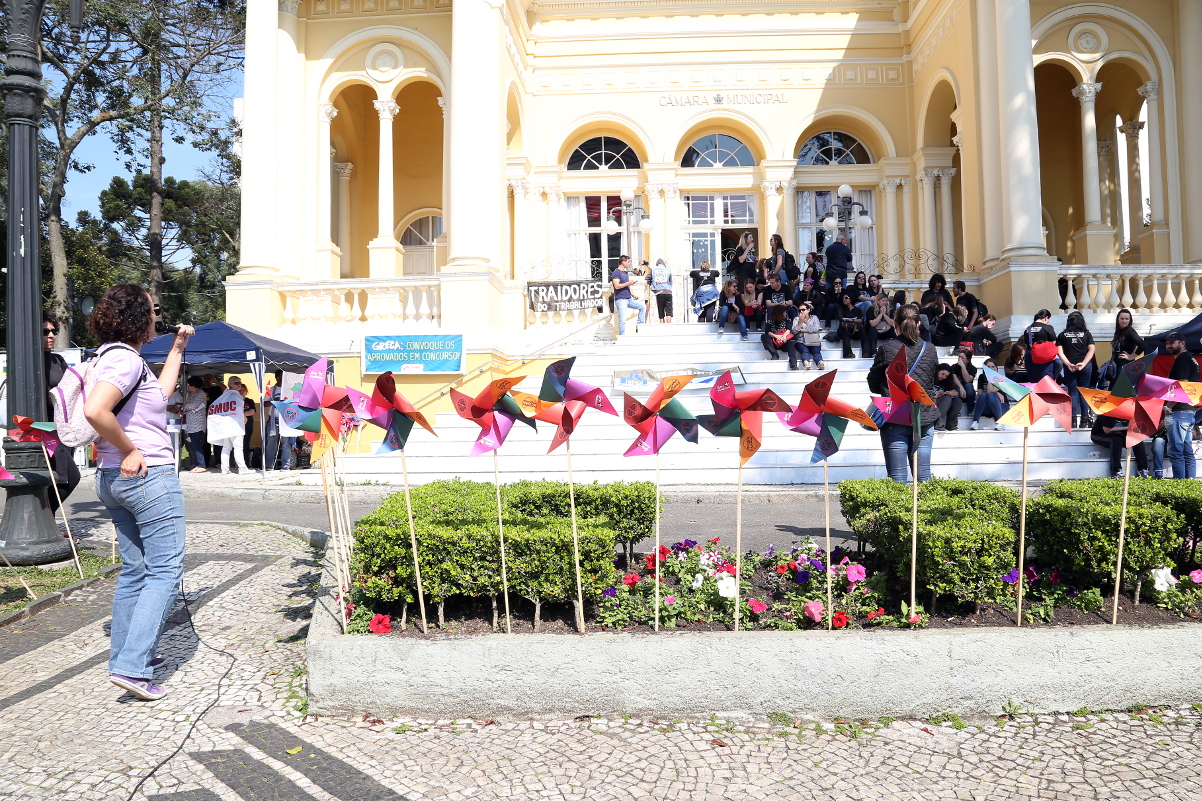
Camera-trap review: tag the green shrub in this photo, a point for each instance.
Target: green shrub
(1079, 535)
(627, 507)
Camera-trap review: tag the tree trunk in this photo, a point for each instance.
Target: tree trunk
(155, 229)
(494, 612)
(538, 610)
(1139, 583)
(404, 613)
(442, 622)
(60, 297)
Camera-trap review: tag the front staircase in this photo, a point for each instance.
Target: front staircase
(599, 442)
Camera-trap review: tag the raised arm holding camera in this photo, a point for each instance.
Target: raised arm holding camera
(136, 480)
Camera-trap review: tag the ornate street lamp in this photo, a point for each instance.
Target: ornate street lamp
(839, 214)
(28, 532)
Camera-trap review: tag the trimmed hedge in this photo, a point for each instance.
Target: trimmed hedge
(458, 549)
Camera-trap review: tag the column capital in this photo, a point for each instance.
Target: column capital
(327, 112)
(1150, 90)
(1104, 146)
(772, 188)
(344, 168)
(904, 183)
(554, 193)
(890, 185)
(957, 141)
(520, 188)
(442, 105)
(653, 191)
(289, 6)
(387, 109)
(670, 190)
(928, 177)
(946, 175)
(1131, 129)
(1087, 92)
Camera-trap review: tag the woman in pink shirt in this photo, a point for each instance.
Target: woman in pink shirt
(136, 480)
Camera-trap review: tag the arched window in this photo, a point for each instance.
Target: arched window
(833, 147)
(717, 150)
(604, 153)
(422, 232)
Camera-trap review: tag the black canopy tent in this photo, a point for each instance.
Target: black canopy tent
(219, 347)
(1192, 331)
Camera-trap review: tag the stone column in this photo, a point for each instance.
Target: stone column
(653, 200)
(907, 229)
(1087, 94)
(1135, 187)
(1019, 147)
(522, 235)
(327, 264)
(344, 217)
(988, 141)
(930, 229)
(557, 232)
(947, 229)
(384, 252)
(889, 201)
(477, 138)
(289, 150)
(1104, 178)
(773, 199)
(679, 256)
(790, 222)
(259, 140)
(1154, 245)
(1189, 28)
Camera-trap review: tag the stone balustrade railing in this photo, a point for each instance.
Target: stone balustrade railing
(1145, 288)
(411, 301)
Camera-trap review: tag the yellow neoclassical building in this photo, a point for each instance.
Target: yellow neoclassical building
(412, 167)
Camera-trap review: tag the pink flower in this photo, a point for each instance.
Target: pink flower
(814, 611)
(914, 619)
(856, 573)
(757, 606)
(380, 624)
(671, 599)
(1196, 576)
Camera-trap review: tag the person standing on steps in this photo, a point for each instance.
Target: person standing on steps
(1179, 426)
(1075, 349)
(136, 480)
(705, 292)
(838, 259)
(743, 264)
(623, 299)
(1126, 345)
(897, 440)
(1040, 339)
(661, 285)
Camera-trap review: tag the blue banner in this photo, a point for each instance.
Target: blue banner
(410, 354)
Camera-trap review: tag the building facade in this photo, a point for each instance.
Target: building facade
(413, 165)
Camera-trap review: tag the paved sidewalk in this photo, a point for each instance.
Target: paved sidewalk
(69, 734)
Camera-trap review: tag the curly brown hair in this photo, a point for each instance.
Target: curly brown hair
(122, 315)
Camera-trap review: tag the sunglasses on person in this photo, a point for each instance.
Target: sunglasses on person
(157, 310)
(49, 331)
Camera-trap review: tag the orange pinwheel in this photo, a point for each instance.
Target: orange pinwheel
(737, 414)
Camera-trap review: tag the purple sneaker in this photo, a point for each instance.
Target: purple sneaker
(143, 688)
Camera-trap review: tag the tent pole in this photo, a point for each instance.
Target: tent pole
(263, 405)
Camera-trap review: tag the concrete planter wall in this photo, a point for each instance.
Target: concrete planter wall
(814, 674)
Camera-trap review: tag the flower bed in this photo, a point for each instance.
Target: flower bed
(966, 560)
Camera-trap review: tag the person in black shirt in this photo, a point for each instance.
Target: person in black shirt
(705, 302)
(1040, 339)
(984, 343)
(948, 397)
(1180, 423)
(937, 286)
(1016, 363)
(851, 324)
(830, 306)
(1126, 344)
(66, 472)
(1110, 432)
(945, 331)
(743, 266)
(1075, 347)
(777, 294)
(969, 302)
(838, 258)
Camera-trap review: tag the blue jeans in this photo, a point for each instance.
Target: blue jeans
(898, 447)
(274, 451)
(148, 513)
(621, 304)
(1180, 428)
(1037, 371)
(196, 444)
(1157, 446)
(810, 353)
(1072, 382)
(990, 404)
(724, 313)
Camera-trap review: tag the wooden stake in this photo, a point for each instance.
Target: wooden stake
(826, 491)
(575, 544)
(417, 571)
(657, 540)
(332, 545)
(496, 474)
(738, 543)
(63, 509)
(1022, 530)
(1118, 568)
(914, 534)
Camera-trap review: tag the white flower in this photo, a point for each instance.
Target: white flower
(727, 587)
(698, 580)
(1163, 579)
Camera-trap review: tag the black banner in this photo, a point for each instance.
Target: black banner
(559, 296)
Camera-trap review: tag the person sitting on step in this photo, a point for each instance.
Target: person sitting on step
(949, 398)
(1111, 433)
(807, 336)
(753, 306)
(778, 336)
(730, 308)
(852, 323)
(990, 401)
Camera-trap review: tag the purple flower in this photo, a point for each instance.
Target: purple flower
(1031, 574)
(1055, 577)
(1011, 577)
(814, 563)
(771, 552)
(685, 545)
(803, 576)
(837, 554)
(610, 592)
(1072, 591)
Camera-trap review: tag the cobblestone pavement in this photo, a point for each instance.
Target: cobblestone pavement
(67, 733)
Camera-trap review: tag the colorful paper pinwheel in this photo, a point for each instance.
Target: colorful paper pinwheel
(562, 401)
(903, 391)
(823, 417)
(1139, 397)
(1044, 397)
(737, 414)
(400, 414)
(494, 411)
(660, 417)
(29, 431)
(1170, 390)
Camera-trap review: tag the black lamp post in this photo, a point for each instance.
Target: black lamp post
(28, 532)
(839, 215)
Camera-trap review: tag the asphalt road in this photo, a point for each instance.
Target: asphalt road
(768, 518)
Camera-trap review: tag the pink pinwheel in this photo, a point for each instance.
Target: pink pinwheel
(562, 401)
(737, 414)
(493, 410)
(403, 414)
(29, 431)
(660, 418)
(823, 417)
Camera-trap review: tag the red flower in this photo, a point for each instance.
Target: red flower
(840, 619)
(728, 567)
(380, 624)
(350, 609)
(664, 552)
(650, 561)
(874, 615)
(714, 541)
(782, 568)
(630, 579)
(793, 566)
